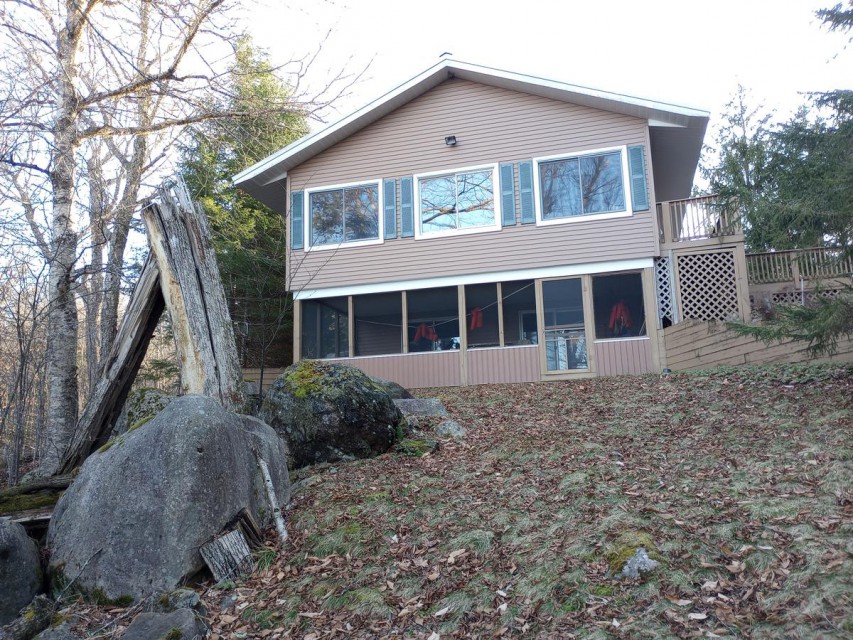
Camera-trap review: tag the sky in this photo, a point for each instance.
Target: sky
(679, 51)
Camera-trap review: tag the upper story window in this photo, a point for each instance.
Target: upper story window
(458, 202)
(347, 214)
(587, 184)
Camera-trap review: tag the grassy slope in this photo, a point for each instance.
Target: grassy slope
(742, 479)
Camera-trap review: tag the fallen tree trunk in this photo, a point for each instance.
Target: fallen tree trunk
(119, 369)
(189, 279)
(228, 556)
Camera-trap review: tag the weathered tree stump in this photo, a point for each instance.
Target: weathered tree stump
(189, 279)
(120, 369)
(228, 556)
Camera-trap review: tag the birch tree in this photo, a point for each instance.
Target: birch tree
(94, 92)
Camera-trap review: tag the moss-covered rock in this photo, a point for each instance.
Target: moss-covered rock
(328, 412)
(626, 545)
(141, 405)
(417, 447)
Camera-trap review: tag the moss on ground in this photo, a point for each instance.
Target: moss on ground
(25, 502)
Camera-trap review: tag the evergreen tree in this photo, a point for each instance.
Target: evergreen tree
(249, 238)
(808, 201)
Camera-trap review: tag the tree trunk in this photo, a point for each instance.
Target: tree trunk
(189, 278)
(62, 401)
(228, 556)
(125, 358)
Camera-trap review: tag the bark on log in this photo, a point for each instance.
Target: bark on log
(120, 368)
(189, 279)
(228, 556)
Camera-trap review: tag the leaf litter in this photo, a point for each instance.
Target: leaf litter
(741, 478)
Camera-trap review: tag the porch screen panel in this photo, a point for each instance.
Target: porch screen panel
(325, 328)
(617, 301)
(481, 315)
(433, 319)
(378, 324)
(565, 338)
(519, 309)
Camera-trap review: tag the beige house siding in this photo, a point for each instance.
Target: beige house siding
(415, 370)
(619, 357)
(509, 364)
(492, 125)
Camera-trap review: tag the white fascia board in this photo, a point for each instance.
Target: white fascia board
(477, 73)
(561, 271)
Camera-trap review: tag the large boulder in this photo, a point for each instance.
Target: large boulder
(133, 520)
(328, 412)
(20, 570)
(141, 405)
(395, 390)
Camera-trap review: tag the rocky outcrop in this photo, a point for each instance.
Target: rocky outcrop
(328, 412)
(132, 522)
(20, 571)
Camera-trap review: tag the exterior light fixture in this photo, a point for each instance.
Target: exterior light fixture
(450, 141)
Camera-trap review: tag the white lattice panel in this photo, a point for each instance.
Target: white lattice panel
(707, 286)
(664, 288)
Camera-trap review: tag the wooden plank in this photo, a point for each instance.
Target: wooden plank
(119, 370)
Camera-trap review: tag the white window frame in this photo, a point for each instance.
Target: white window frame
(306, 222)
(584, 217)
(420, 235)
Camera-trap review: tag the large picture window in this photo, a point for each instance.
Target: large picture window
(343, 215)
(582, 185)
(457, 201)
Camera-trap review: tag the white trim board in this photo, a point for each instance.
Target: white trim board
(478, 278)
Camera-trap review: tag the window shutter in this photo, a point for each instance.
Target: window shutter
(407, 209)
(297, 206)
(507, 195)
(525, 184)
(637, 167)
(389, 199)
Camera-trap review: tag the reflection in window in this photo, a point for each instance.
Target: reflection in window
(344, 215)
(458, 201)
(481, 319)
(582, 185)
(378, 324)
(325, 328)
(565, 340)
(617, 301)
(519, 308)
(433, 316)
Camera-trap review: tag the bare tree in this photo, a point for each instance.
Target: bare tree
(94, 93)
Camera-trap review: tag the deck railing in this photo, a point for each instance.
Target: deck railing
(790, 266)
(701, 218)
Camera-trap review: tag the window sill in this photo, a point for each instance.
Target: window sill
(343, 245)
(583, 218)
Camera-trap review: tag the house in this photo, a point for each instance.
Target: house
(477, 226)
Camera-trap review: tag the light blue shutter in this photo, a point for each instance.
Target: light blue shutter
(507, 195)
(525, 187)
(297, 206)
(389, 199)
(407, 208)
(637, 167)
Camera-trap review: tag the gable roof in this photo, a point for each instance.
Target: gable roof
(676, 132)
